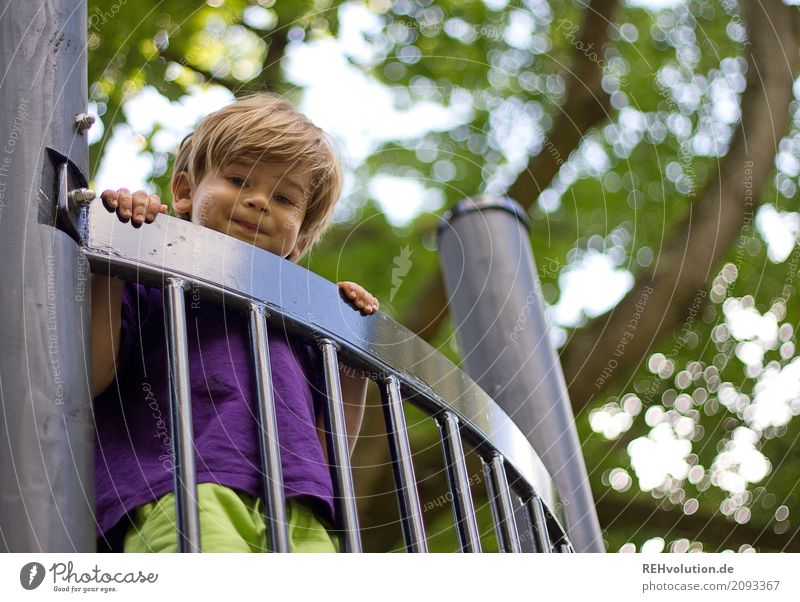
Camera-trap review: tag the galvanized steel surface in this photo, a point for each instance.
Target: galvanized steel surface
(403, 467)
(269, 444)
(47, 462)
(338, 449)
(180, 406)
(458, 483)
(498, 312)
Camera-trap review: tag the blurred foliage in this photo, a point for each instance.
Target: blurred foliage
(675, 77)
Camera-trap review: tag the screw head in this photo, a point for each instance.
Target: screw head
(80, 196)
(83, 121)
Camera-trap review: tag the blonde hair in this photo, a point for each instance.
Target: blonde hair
(263, 127)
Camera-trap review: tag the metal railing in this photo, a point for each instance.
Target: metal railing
(405, 367)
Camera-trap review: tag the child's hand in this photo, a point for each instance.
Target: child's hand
(358, 296)
(138, 207)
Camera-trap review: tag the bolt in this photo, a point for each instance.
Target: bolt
(80, 196)
(83, 121)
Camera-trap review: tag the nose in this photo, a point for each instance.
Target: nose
(257, 201)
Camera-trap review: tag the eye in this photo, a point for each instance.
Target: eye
(236, 181)
(283, 199)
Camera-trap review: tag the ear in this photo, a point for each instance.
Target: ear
(182, 193)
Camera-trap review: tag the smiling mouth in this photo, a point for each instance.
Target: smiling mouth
(248, 227)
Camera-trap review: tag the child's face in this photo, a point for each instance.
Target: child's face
(263, 204)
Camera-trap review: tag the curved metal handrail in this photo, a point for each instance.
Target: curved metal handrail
(237, 271)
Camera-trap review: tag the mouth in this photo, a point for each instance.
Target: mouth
(247, 227)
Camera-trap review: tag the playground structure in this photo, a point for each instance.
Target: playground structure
(53, 235)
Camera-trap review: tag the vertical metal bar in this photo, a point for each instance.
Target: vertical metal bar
(180, 402)
(520, 490)
(403, 467)
(539, 521)
(527, 533)
(502, 509)
(463, 509)
(338, 450)
(274, 502)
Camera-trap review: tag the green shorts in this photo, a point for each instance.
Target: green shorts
(230, 521)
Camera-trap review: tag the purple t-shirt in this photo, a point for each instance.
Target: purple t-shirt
(133, 447)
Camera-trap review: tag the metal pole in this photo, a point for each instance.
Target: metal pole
(502, 508)
(46, 425)
(403, 466)
(497, 307)
(456, 466)
(269, 445)
(539, 521)
(180, 405)
(338, 449)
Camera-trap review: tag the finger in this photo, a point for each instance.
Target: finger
(164, 208)
(349, 289)
(153, 208)
(109, 199)
(124, 204)
(140, 202)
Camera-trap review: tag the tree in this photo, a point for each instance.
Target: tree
(683, 122)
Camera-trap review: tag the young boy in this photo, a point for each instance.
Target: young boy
(261, 172)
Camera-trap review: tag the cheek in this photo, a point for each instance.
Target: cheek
(292, 220)
(204, 206)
